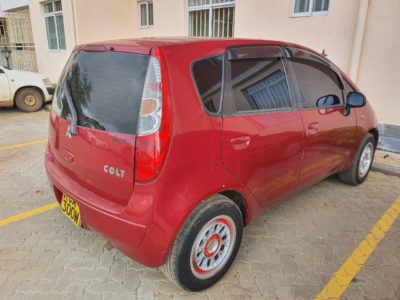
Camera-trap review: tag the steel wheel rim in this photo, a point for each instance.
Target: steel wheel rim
(213, 247)
(365, 159)
(30, 100)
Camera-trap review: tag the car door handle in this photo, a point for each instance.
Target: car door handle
(312, 128)
(240, 142)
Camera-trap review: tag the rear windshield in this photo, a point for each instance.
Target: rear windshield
(106, 90)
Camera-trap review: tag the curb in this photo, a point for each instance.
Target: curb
(386, 169)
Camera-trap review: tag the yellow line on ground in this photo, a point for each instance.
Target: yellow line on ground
(42, 141)
(28, 214)
(343, 277)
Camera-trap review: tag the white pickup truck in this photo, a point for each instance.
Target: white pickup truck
(27, 90)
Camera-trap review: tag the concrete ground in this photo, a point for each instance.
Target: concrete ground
(289, 252)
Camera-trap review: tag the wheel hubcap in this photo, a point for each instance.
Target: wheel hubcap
(30, 100)
(213, 247)
(365, 160)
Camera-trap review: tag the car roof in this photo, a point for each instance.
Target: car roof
(144, 45)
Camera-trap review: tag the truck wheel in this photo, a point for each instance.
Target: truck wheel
(29, 100)
(362, 162)
(206, 245)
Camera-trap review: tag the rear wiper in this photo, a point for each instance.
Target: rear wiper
(74, 122)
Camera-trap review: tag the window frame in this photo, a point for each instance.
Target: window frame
(210, 7)
(309, 13)
(54, 14)
(147, 4)
(227, 84)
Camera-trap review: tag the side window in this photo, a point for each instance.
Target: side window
(319, 85)
(259, 84)
(207, 74)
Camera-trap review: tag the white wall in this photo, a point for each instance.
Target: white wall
(50, 62)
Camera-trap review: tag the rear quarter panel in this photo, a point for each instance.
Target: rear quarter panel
(193, 168)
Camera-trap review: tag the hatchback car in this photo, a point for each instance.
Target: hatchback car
(168, 147)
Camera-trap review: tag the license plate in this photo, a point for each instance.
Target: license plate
(71, 209)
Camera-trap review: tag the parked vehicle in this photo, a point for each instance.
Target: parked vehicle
(168, 147)
(27, 90)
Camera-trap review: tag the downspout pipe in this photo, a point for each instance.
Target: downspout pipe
(74, 22)
(359, 38)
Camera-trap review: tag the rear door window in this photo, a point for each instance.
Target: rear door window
(106, 90)
(259, 84)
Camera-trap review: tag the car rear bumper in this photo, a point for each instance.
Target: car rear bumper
(110, 220)
(140, 229)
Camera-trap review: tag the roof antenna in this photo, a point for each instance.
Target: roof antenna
(324, 53)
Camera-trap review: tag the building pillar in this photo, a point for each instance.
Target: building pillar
(358, 39)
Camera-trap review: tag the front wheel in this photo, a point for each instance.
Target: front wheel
(29, 100)
(362, 162)
(206, 245)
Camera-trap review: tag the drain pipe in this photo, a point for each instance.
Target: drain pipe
(74, 22)
(358, 39)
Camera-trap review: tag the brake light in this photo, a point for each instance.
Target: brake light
(154, 125)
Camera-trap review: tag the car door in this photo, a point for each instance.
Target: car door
(329, 126)
(4, 87)
(262, 128)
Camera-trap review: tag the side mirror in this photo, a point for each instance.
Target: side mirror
(355, 99)
(328, 101)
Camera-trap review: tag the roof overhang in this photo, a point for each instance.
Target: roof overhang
(13, 5)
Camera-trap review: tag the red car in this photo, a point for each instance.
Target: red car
(168, 147)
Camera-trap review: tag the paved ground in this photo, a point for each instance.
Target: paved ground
(290, 252)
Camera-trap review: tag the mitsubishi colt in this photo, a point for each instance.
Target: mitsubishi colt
(169, 147)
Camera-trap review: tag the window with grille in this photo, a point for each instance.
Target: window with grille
(310, 7)
(146, 14)
(214, 18)
(54, 25)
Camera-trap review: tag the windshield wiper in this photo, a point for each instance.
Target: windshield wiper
(74, 122)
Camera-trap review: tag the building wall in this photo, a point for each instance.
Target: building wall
(50, 62)
(272, 19)
(104, 21)
(169, 19)
(97, 20)
(379, 75)
(120, 19)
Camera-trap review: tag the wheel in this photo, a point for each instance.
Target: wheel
(29, 100)
(362, 162)
(206, 245)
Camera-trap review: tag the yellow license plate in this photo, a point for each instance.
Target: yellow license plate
(71, 209)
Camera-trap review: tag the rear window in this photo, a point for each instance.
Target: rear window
(106, 89)
(207, 74)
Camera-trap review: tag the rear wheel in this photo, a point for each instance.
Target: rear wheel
(29, 100)
(206, 245)
(362, 162)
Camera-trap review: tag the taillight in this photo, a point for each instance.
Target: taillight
(154, 125)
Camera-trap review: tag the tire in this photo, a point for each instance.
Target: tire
(29, 100)
(214, 230)
(362, 162)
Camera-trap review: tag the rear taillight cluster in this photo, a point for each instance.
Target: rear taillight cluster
(154, 124)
